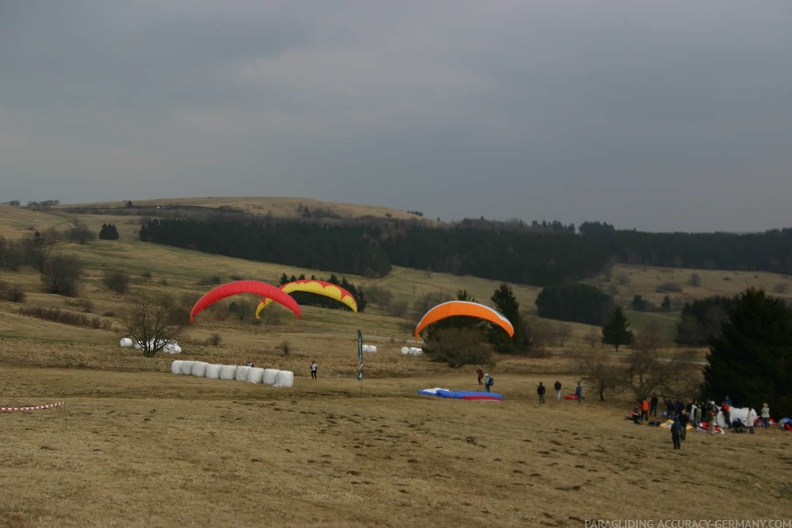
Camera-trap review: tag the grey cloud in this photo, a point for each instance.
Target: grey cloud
(659, 116)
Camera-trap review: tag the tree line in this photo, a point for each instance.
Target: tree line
(539, 254)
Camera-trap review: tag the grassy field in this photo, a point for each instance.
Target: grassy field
(137, 446)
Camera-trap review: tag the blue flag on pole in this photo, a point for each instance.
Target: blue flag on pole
(360, 355)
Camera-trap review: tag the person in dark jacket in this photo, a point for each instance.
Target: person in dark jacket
(684, 418)
(676, 433)
(653, 405)
(540, 390)
(558, 389)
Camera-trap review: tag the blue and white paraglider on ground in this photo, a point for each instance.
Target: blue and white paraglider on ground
(462, 395)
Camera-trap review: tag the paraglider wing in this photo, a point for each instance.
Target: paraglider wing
(245, 286)
(467, 308)
(328, 289)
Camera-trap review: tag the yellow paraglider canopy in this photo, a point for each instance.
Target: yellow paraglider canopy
(328, 289)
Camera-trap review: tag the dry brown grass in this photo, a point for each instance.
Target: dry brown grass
(151, 449)
(137, 446)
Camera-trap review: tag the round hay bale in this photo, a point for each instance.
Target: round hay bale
(186, 367)
(125, 342)
(372, 348)
(242, 373)
(285, 378)
(171, 347)
(405, 350)
(269, 376)
(176, 367)
(255, 375)
(213, 371)
(199, 368)
(227, 372)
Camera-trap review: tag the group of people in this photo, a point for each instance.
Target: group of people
(541, 391)
(702, 414)
(485, 379)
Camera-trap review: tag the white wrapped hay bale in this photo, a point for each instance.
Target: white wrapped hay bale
(269, 376)
(241, 373)
(186, 367)
(414, 351)
(176, 367)
(213, 371)
(172, 347)
(405, 350)
(371, 348)
(285, 378)
(227, 372)
(255, 375)
(199, 368)
(125, 342)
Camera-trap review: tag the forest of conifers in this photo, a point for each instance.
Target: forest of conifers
(538, 255)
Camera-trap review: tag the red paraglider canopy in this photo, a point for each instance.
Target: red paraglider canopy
(259, 288)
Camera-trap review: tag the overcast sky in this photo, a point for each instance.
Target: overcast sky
(672, 115)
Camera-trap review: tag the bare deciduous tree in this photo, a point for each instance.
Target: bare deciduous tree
(602, 372)
(593, 337)
(562, 334)
(153, 326)
(653, 369)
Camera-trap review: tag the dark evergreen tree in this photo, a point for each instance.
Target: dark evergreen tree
(666, 304)
(506, 303)
(581, 303)
(108, 232)
(617, 331)
(752, 360)
(639, 303)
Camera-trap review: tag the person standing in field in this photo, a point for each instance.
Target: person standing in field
(676, 433)
(752, 416)
(558, 389)
(645, 409)
(684, 419)
(480, 374)
(540, 390)
(765, 416)
(579, 392)
(314, 368)
(653, 405)
(710, 419)
(488, 381)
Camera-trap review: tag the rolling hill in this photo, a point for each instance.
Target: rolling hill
(134, 445)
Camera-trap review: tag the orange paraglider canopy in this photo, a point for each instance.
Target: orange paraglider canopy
(466, 308)
(328, 289)
(245, 286)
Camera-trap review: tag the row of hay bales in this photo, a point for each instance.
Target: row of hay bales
(202, 369)
(411, 351)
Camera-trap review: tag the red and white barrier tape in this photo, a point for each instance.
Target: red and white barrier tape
(36, 408)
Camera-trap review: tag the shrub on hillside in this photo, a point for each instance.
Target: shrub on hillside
(118, 281)
(459, 347)
(66, 317)
(11, 293)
